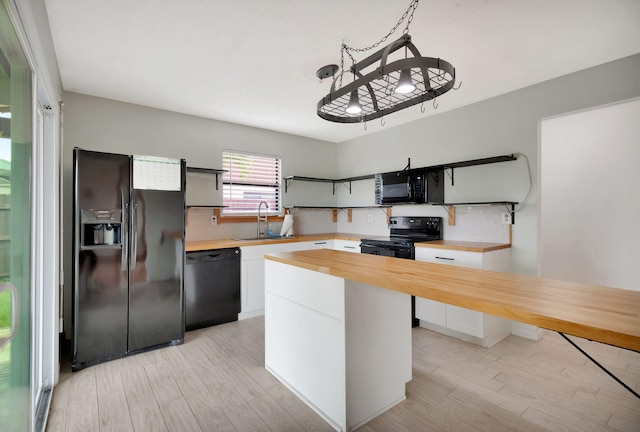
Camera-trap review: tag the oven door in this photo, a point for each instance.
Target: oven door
(388, 250)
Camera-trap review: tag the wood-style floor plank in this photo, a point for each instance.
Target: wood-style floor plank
(241, 381)
(179, 417)
(162, 383)
(243, 417)
(302, 414)
(57, 420)
(108, 378)
(213, 419)
(216, 381)
(274, 415)
(114, 412)
(135, 381)
(147, 417)
(82, 412)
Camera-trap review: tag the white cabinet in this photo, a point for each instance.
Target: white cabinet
(347, 245)
(252, 272)
(470, 325)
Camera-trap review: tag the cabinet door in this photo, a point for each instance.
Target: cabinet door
(253, 285)
(347, 245)
(465, 320)
(431, 311)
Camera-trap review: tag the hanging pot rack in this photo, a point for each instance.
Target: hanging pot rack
(432, 77)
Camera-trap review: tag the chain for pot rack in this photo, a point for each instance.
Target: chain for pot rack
(348, 49)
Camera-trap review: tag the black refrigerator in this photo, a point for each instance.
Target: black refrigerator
(128, 254)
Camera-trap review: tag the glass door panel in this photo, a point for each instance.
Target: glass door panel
(15, 230)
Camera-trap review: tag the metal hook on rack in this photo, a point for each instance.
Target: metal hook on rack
(440, 75)
(387, 88)
(422, 110)
(435, 103)
(382, 122)
(457, 88)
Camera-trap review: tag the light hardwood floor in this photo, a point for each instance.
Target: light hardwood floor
(216, 381)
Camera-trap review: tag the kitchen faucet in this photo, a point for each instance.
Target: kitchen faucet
(263, 218)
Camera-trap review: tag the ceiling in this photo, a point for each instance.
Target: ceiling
(253, 62)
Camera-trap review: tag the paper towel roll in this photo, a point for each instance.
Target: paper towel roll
(287, 226)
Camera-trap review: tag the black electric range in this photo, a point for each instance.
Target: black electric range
(404, 232)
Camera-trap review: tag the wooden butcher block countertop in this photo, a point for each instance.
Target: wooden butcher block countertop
(607, 315)
(201, 245)
(463, 245)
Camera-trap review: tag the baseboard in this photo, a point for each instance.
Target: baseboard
(250, 314)
(526, 331)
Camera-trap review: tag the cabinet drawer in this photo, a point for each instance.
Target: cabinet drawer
(318, 244)
(347, 245)
(449, 257)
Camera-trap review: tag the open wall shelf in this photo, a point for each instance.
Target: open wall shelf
(450, 207)
(211, 171)
(346, 182)
(510, 206)
(474, 162)
(448, 166)
(336, 210)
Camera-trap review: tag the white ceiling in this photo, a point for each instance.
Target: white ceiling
(253, 62)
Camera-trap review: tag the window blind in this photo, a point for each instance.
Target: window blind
(249, 180)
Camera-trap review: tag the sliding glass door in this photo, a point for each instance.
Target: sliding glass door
(16, 281)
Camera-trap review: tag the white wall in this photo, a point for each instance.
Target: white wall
(105, 125)
(502, 125)
(589, 205)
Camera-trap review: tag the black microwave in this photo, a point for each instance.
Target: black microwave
(411, 186)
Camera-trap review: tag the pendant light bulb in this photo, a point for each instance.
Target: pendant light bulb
(405, 83)
(354, 106)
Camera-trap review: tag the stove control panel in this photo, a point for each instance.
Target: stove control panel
(415, 223)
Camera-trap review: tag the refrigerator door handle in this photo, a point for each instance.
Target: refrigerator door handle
(134, 233)
(124, 229)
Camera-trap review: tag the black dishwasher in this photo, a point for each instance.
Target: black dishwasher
(211, 287)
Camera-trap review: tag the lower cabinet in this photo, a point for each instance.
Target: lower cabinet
(466, 324)
(252, 272)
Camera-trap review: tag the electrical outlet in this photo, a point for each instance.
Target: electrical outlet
(370, 218)
(506, 218)
(214, 220)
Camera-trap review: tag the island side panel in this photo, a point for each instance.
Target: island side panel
(378, 350)
(305, 337)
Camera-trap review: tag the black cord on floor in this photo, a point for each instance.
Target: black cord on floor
(633, 392)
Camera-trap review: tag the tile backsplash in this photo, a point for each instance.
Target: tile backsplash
(478, 223)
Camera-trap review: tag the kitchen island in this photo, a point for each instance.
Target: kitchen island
(318, 349)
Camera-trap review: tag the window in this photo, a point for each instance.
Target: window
(249, 180)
